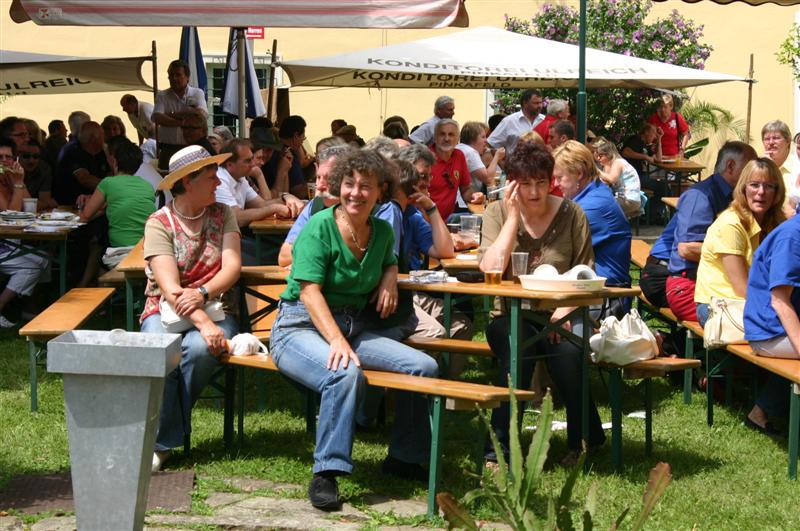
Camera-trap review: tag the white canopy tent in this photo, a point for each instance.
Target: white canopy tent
(243, 13)
(490, 58)
(34, 73)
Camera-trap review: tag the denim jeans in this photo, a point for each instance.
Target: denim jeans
(301, 353)
(183, 386)
(564, 365)
(702, 313)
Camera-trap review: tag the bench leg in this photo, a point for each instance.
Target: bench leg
(129, 305)
(710, 370)
(230, 394)
(585, 349)
(648, 418)
(32, 357)
(687, 374)
(794, 426)
(434, 469)
(615, 390)
(240, 417)
(311, 411)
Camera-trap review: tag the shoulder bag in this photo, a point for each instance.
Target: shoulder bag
(725, 324)
(623, 341)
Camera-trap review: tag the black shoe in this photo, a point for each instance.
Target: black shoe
(323, 492)
(403, 470)
(767, 429)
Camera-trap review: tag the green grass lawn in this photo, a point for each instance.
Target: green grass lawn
(725, 477)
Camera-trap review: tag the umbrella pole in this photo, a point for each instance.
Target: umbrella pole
(581, 100)
(750, 82)
(242, 75)
(155, 80)
(271, 82)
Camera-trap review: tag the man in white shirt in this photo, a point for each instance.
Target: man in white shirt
(172, 107)
(513, 126)
(139, 113)
(443, 107)
(235, 191)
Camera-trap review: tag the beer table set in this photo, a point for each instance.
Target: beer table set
(682, 169)
(270, 229)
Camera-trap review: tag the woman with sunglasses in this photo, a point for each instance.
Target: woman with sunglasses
(732, 239)
(552, 231)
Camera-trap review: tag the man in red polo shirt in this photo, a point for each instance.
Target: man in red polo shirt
(449, 172)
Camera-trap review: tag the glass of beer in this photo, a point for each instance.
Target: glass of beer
(312, 189)
(493, 274)
(519, 265)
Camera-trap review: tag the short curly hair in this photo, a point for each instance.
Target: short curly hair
(529, 161)
(367, 162)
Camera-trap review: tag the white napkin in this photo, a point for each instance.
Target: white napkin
(246, 345)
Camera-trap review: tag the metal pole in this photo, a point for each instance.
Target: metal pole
(155, 79)
(749, 99)
(581, 101)
(271, 83)
(240, 50)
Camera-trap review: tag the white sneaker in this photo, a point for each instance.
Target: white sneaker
(159, 458)
(5, 323)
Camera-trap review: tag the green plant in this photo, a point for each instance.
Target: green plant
(509, 489)
(710, 120)
(621, 27)
(789, 51)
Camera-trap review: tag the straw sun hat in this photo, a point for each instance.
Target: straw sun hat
(186, 161)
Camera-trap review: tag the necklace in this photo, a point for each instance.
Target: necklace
(353, 234)
(184, 216)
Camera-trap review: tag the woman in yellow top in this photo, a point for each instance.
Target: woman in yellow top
(731, 240)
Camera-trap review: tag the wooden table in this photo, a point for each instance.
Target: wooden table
(538, 300)
(682, 169)
(26, 243)
(671, 202)
(454, 265)
(477, 209)
(132, 266)
(270, 228)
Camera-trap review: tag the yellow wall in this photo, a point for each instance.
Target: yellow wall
(734, 30)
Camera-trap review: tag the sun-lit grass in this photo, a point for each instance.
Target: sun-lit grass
(725, 477)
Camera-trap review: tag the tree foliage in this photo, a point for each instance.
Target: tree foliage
(618, 26)
(789, 51)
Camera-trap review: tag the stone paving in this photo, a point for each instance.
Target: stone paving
(285, 507)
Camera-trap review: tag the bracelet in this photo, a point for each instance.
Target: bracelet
(204, 292)
(430, 210)
(19, 186)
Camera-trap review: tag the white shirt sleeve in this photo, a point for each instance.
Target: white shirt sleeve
(224, 192)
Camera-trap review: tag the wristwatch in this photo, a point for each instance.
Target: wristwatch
(430, 210)
(204, 292)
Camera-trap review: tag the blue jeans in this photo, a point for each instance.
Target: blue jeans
(702, 313)
(301, 353)
(183, 386)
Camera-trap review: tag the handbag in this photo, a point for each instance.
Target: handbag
(170, 320)
(725, 324)
(623, 341)
(175, 324)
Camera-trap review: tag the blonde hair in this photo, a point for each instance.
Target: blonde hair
(774, 216)
(605, 147)
(576, 159)
(533, 137)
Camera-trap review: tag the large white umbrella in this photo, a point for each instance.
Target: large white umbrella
(243, 13)
(490, 58)
(36, 73)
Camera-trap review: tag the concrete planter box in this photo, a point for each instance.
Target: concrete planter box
(113, 386)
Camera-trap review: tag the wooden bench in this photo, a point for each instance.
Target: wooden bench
(442, 394)
(786, 368)
(69, 312)
(113, 279)
(645, 370)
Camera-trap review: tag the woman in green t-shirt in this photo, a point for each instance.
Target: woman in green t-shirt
(342, 261)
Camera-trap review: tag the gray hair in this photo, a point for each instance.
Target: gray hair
(383, 145)
(733, 149)
(557, 106)
(331, 152)
(76, 120)
(443, 122)
(441, 101)
(416, 152)
(777, 126)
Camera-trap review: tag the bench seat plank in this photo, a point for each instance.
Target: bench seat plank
(789, 369)
(114, 277)
(454, 346)
(67, 313)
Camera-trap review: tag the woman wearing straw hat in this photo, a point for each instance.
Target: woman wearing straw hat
(192, 250)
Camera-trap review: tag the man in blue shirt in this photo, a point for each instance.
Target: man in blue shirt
(697, 209)
(771, 322)
(655, 272)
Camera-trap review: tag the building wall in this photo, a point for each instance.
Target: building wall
(735, 31)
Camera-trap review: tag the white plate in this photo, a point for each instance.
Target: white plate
(13, 214)
(39, 228)
(466, 257)
(15, 223)
(561, 284)
(59, 215)
(55, 223)
(668, 161)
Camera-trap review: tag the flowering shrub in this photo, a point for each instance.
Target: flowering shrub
(789, 52)
(616, 26)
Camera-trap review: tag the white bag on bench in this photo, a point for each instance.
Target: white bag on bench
(625, 341)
